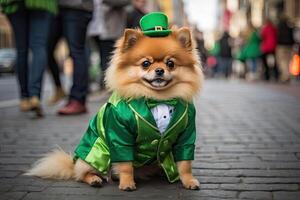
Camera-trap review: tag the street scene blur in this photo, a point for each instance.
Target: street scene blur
(53, 57)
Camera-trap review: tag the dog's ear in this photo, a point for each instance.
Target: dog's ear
(184, 37)
(130, 38)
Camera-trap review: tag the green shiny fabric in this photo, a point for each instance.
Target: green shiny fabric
(92, 147)
(125, 130)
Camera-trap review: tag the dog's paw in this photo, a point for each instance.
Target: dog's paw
(96, 182)
(93, 180)
(191, 184)
(128, 186)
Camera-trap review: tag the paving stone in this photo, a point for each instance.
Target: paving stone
(257, 195)
(204, 179)
(247, 173)
(209, 186)
(21, 167)
(9, 174)
(271, 180)
(70, 183)
(186, 194)
(265, 165)
(208, 198)
(5, 188)
(28, 188)
(199, 165)
(70, 190)
(12, 195)
(28, 181)
(278, 157)
(286, 195)
(259, 187)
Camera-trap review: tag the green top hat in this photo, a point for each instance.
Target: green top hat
(155, 24)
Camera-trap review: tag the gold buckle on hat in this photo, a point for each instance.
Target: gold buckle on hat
(158, 28)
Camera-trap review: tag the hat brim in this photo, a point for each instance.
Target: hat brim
(156, 33)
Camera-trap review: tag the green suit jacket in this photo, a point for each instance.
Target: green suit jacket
(125, 130)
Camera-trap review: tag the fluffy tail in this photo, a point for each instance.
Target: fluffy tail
(56, 165)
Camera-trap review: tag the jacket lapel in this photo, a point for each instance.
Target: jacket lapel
(140, 107)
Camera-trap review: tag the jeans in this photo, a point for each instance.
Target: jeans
(225, 66)
(31, 30)
(106, 48)
(54, 37)
(74, 23)
(252, 64)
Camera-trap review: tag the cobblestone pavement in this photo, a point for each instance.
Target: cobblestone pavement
(248, 147)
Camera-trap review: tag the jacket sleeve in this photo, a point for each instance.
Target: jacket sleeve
(119, 138)
(88, 139)
(185, 144)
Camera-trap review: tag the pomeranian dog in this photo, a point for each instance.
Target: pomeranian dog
(153, 80)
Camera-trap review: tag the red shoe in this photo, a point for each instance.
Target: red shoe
(74, 107)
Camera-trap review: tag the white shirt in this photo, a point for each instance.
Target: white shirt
(162, 115)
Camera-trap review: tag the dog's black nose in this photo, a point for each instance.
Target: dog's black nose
(159, 71)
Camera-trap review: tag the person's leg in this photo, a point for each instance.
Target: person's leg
(98, 44)
(283, 54)
(54, 36)
(254, 65)
(74, 29)
(228, 67)
(251, 70)
(19, 23)
(248, 67)
(216, 66)
(225, 67)
(275, 67)
(220, 70)
(40, 22)
(287, 59)
(265, 67)
(106, 49)
(75, 25)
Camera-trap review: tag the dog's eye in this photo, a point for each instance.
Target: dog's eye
(146, 64)
(170, 64)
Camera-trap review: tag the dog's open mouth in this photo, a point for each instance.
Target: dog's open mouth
(158, 82)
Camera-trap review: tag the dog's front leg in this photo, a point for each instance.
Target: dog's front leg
(126, 174)
(186, 176)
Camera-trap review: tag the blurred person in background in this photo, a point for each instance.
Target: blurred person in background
(284, 47)
(71, 23)
(250, 52)
(225, 56)
(30, 21)
(135, 13)
(200, 46)
(107, 25)
(268, 46)
(212, 59)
